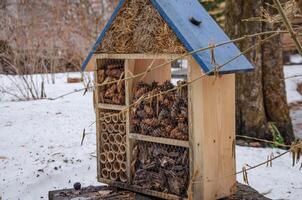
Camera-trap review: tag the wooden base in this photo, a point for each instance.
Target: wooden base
(140, 189)
(244, 192)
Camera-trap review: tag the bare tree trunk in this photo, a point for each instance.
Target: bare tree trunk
(274, 93)
(260, 95)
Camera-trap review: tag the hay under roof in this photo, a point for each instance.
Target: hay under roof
(139, 28)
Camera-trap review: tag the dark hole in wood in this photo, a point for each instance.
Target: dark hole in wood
(194, 21)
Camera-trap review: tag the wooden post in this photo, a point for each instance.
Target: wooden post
(97, 117)
(212, 123)
(129, 69)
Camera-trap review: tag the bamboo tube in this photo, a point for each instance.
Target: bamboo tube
(110, 128)
(120, 157)
(108, 166)
(105, 137)
(123, 177)
(103, 127)
(124, 139)
(115, 148)
(122, 148)
(113, 175)
(121, 128)
(118, 138)
(122, 117)
(111, 156)
(115, 128)
(106, 147)
(107, 118)
(123, 166)
(116, 167)
(102, 115)
(105, 174)
(115, 118)
(111, 138)
(103, 158)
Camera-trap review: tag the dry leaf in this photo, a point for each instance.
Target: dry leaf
(3, 158)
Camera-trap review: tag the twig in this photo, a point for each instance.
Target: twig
(263, 163)
(288, 26)
(173, 60)
(262, 140)
(295, 76)
(144, 97)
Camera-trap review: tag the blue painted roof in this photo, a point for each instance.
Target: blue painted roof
(177, 13)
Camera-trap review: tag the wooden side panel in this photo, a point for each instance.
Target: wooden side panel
(159, 75)
(212, 102)
(97, 117)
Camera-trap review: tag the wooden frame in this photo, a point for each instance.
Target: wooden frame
(211, 127)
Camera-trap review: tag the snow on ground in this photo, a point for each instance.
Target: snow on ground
(293, 96)
(41, 143)
(40, 149)
(291, 83)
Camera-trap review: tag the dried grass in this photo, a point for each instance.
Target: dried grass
(139, 28)
(290, 8)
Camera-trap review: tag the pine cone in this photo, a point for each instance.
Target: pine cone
(183, 128)
(146, 129)
(114, 66)
(164, 113)
(151, 121)
(158, 132)
(101, 76)
(115, 73)
(149, 111)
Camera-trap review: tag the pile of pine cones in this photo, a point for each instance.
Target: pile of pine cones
(161, 168)
(163, 116)
(112, 93)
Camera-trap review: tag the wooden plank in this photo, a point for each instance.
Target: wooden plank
(213, 125)
(159, 75)
(136, 56)
(111, 107)
(97, 192)
(141, 190)
(190, 125)
(195, 130)
(160, 140)
(129, 69)
(97, 117)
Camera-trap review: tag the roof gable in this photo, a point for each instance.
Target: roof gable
(176, 13)
(139, 29)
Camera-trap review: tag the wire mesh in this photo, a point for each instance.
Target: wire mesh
(162, 168)
(162, 116)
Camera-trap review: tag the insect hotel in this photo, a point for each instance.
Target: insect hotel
(165, 139)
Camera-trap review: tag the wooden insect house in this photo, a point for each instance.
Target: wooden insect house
(165, 139)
